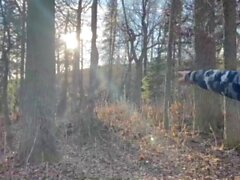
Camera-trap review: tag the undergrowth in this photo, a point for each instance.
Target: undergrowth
(183, 152)
(145, 126)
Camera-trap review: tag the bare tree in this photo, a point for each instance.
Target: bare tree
(170, 63)
(23, 43)
(232, 114)
(205, 49)
(38, 140)
(76, 83)
(139, 37)
(110, 43)
(128, 75)
(62, 105)
(6, 47)
(94, 54)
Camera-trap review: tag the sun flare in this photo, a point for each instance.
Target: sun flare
(70, 40)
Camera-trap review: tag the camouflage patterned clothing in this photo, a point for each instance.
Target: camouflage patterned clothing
(224, 82)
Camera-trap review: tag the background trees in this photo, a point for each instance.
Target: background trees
(110, 34)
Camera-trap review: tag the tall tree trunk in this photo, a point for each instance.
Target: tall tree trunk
(81, 72)
(89, 126)
(178, 45)
(6, 47)
(76, 67)
(23, 46)
(178, 31)
(170, 64)
(38, 141)
(128, 87)
(138, 83)
(136, 94)
(232, 113)
(207, 105)
(62, 105)
(145, 36)
(94, 56)
(112, 39)
(7, 121)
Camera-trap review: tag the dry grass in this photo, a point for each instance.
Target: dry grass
(180, 152)
(139, 148)
(129, 120)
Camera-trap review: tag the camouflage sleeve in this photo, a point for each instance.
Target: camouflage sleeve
(224, 82)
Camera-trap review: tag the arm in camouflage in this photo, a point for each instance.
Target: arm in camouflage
(224, 82)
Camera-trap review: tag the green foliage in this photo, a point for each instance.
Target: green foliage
(152, 84)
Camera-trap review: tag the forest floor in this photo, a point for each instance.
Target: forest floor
(133, 149)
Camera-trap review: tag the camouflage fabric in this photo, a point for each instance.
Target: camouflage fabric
(224, 82)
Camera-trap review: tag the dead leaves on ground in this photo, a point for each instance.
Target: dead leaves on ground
(180, 153)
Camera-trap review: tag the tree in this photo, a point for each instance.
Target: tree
(153, 82)
(23, 44)
(94, 55)
(38, 141)
(231, 118)
(139, 31)
(128, 75)
(77, 89)
(5, 53)
(170, 64)
(62, 105)
(110, 42)
(205, 52)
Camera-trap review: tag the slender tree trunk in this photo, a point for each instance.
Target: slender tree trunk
(89, 126)
(169, 73)
(145, 36)
(23, 46)
(6, 47)
(5, 88)
(208, 112)
(76, 66)
(178, 47)
(129, 93)
(62, 105)
(232, 113)
(178, 31)
(94, 56)
(7, 121)
(128, 82)
(138, 83)
(81, 72)
(136, 94)
(23, 51)
(152, 49)
(112, 39)
(126, 85)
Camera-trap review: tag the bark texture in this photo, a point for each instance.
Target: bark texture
(38, 142)
(231, 107)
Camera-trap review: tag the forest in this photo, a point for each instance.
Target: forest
(119, 89)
